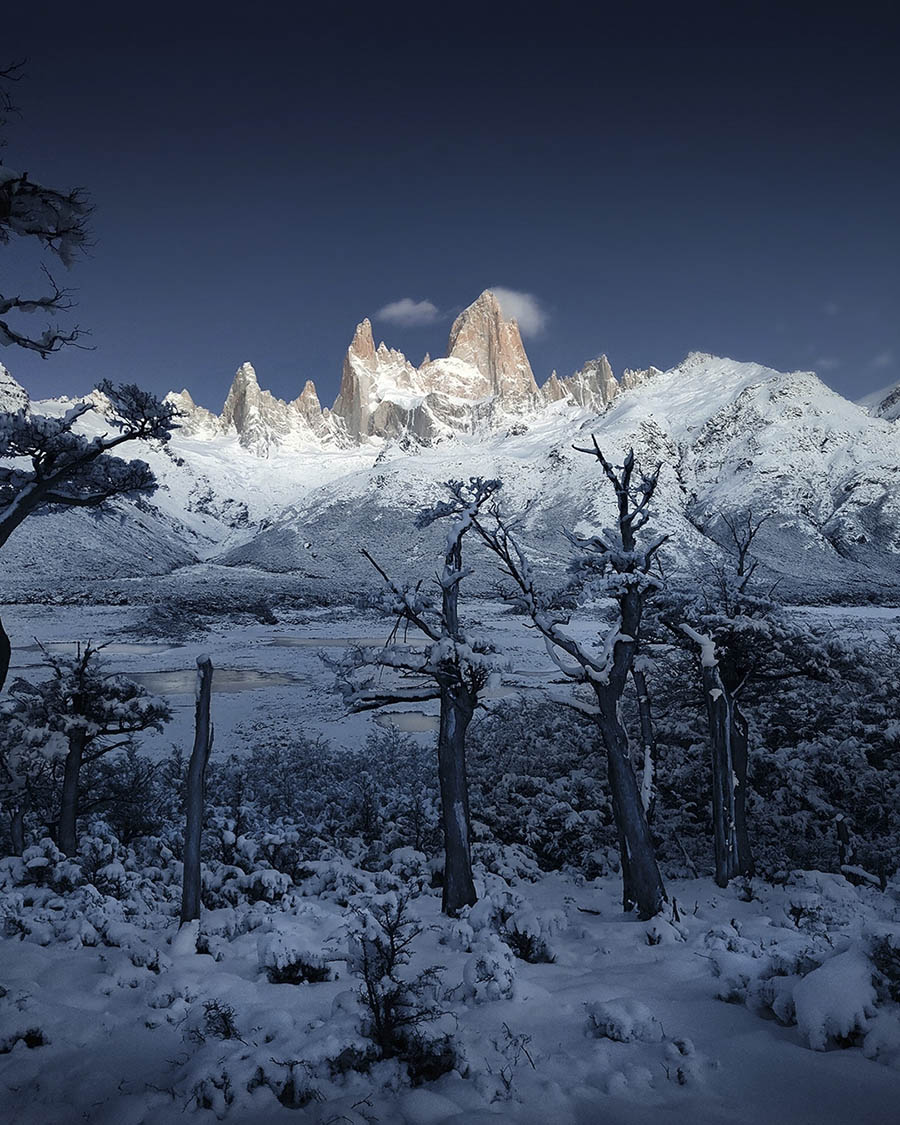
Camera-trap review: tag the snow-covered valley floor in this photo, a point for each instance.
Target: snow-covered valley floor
(759, 1002)
(127, 1037)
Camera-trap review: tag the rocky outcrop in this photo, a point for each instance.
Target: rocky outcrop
(632, 378)
(264, 423)
(13, 397)
(888, 407)
(193, 419)
(591, 388)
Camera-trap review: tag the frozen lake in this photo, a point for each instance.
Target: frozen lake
(272, 679)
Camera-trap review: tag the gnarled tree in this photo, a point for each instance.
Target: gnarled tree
(451, 667)
(49, 465)
(624, 564)
(53, 220)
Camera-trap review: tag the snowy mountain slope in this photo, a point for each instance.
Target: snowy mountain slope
(286, 487)
(730, 436)
(884, 403)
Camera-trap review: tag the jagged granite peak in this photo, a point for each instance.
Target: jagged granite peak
(264, 423)
(13, 396)
(636, 377)
(194, 418)
(307, 402)
(483, 337)
(363, 343)
(592, 388)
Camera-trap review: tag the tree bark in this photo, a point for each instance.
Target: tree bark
(728, 740)
(17, 830)
(456, 714)
(642, 884)
(648, 739)
(740, 757)
(68, 813)
(196, 784)
(5, 655)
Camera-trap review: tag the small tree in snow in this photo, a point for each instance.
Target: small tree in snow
(624, 566)
(50, 466)
(79, 714)
(451, 668)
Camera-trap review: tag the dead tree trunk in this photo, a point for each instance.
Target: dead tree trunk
(642, 885)
(456, 714)
(648, 741)
(196, 783)
(740, 742)
(17, 830)
(5, 655)
(68, 813)
(728, 743)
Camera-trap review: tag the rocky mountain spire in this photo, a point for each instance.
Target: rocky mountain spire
(352, 402)
(592, 387)
(484, 338)
(307, 403)
(264, 422)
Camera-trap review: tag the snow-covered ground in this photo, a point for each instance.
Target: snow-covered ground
(716, 1012)
(754, 1003)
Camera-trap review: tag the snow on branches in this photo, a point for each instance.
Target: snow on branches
(69, 469)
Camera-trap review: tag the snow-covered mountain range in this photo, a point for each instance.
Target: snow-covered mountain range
(294, 487)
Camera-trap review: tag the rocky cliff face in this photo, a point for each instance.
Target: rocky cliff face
(888, 406)
(12, 396)
(483, 338)
(592, 387)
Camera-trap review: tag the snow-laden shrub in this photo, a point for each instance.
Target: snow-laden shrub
(537, 779)
(399, 1008)
(489, 973)
(835, 1001)
(287, 961)
(623, 1020)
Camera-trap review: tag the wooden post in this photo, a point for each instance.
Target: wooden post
(196, 779)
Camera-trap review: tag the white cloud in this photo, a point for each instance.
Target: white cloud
(883, 359)
(524, 307)
(409, 313)
(826, 363)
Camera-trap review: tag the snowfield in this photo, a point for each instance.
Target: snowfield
(727, 1009)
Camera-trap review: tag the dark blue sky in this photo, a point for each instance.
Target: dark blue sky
(261, 188)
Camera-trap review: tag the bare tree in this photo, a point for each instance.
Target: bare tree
(743, 527)
(57, 221)
(196, 782)
(452, 668)
(52, 466)
(625, 567)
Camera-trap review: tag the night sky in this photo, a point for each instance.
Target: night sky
(261, 186)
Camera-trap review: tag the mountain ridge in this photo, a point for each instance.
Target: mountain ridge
(294, 488)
